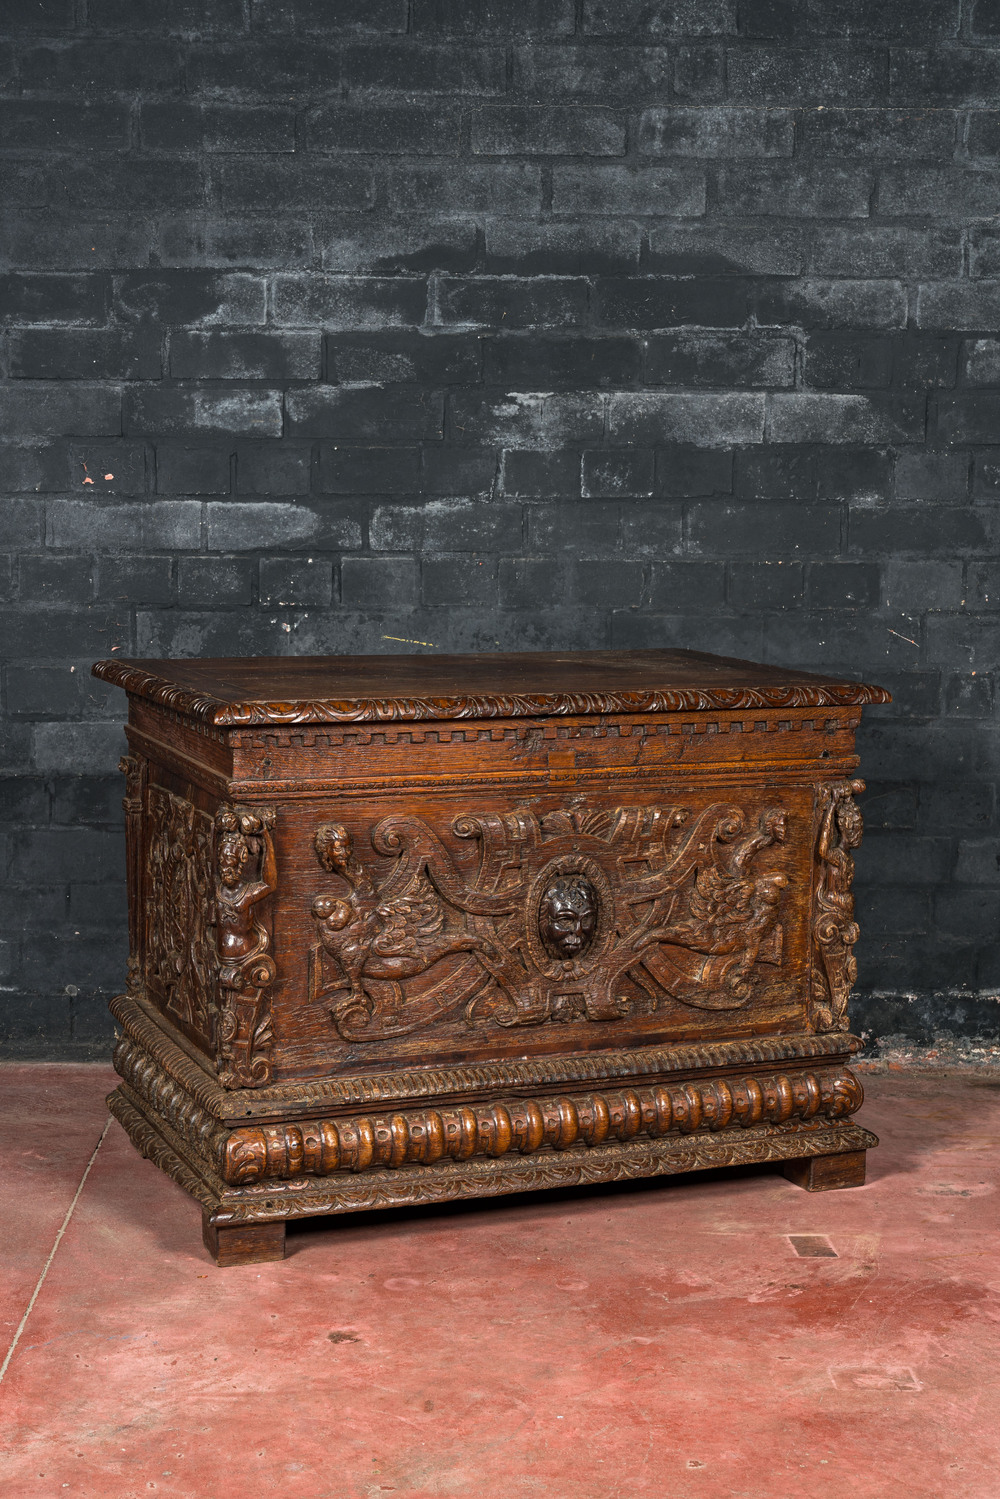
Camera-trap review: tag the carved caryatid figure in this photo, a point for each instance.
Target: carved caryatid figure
(834, 929)
(246, 875)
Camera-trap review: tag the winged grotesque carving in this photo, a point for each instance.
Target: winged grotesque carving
(574, 915)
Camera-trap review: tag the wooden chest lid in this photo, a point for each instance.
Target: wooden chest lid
(371, 689)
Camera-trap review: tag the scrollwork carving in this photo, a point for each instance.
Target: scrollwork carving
(377, 938)
(834, 929)
(180, 967)
(246, 875)
(577, 914)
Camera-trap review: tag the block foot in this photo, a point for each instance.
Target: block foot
(826, 1173)
(243, 1243)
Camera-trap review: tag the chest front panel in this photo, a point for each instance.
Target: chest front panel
(443, 929)
(449, 893)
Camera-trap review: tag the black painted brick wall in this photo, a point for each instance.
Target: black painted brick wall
(360, 325)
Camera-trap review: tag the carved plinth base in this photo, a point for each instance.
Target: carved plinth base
(250, 1180)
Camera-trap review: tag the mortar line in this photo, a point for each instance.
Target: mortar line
(52, 1254)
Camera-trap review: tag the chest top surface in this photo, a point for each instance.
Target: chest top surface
(357, 689)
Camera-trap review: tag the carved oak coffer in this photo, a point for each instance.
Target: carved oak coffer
(406, 929)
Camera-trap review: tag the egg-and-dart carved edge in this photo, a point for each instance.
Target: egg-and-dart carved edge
(523, 1126)
(371, 1089)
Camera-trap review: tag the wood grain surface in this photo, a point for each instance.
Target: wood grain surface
(329, 689)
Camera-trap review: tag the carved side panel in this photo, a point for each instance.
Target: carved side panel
(207, 960)
(246, 876)
(180, 966)
(578, 915)
(834, 929)
(134, 770)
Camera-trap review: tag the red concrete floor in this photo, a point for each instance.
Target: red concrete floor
(657, 1339)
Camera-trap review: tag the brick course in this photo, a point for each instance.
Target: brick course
(493, 323)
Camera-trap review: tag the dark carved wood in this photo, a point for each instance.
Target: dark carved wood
(834, 928)
(665, 899)
(246, 875)
(326, 1146)
(363, 689)
(145, 1029)
(179, 960)
(134, 771)
(411, 929)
